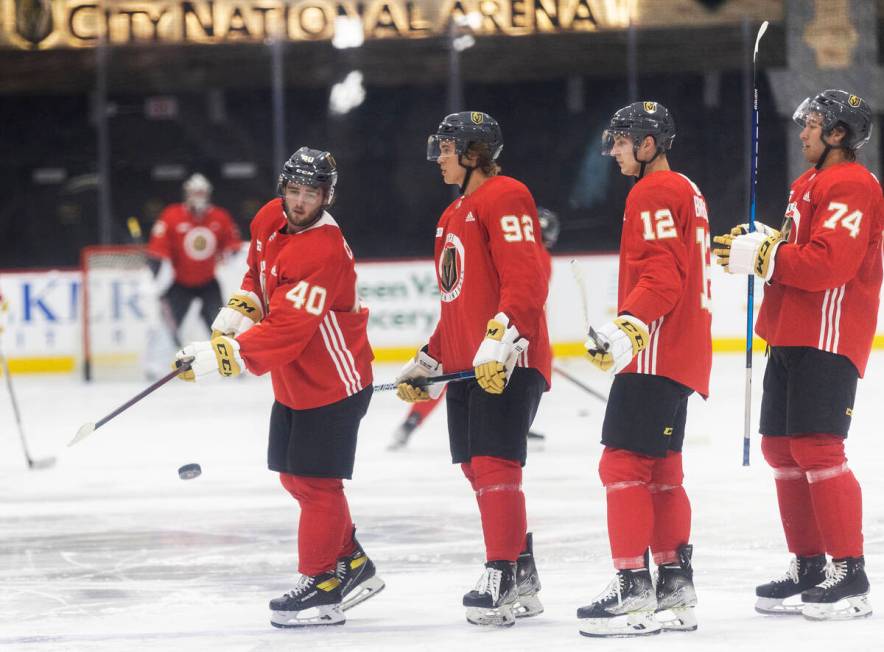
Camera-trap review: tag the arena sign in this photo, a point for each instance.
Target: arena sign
(45, 24)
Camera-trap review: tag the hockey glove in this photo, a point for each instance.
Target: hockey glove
(497, 355)
(242, 311)
(219, 355)
(422, 366)
(723, 252)
(613, 346)
(754, 253)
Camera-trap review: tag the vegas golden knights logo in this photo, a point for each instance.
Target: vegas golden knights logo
(33, 20)
(477, 117)
(853, 101)
(448, 268)
(650, 107)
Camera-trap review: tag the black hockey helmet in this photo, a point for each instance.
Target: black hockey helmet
(839, 108)
(463, 129)
(550, 226)
(638, 120)
(310, 167)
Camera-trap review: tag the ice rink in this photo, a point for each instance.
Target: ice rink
(110, 550)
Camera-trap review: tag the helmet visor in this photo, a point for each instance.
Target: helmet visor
(810, 109)
(442, 146)
(609, 139)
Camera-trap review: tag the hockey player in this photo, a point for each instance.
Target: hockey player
(420, 410)
(297, 316)
(660, 347)
(185, 244)
(823, 282)
(489, 266)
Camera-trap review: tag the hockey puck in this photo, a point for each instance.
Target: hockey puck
(189, 471)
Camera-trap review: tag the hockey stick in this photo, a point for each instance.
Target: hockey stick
(423, 382)
(750, 291)
(88, 428)
(586, 388)
(42, 463)
(577, 272)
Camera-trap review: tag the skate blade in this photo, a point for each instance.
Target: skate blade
(677, 619)
(527, 606)
(503, 616)
(329, 614)
(846, 609)
(362, 592)
(778, 607)
(638, 623)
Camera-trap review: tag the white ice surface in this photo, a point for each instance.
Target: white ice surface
(109, 550)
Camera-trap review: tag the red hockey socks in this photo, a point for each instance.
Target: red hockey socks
(498, 486)
(797, 514)
(672, 509)
(325, 523)
(626, 476)
(835, 492)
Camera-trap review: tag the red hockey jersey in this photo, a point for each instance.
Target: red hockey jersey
(826, 281)
(313, 338)
(664, 278)
(490, 259)
(193, 243)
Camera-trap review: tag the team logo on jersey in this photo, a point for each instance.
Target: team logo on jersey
(451, 268)
(854, 101)
(477, 117)
(650, 107)
(200, 243)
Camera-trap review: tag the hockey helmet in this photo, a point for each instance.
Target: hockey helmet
(464, 129)
(310, 167)
(638, 120)
(836, 108)
(550, 226)
(197, 191)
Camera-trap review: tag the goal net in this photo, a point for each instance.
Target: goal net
(124, 334)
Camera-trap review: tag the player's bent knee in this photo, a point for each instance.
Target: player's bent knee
(668, 473)
(618, 466)
(816, 452)
(305, 488)
(495, 473)
(777, 452)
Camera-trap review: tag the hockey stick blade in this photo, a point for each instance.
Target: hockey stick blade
(85, 430)
(761, 31)
(423, 382)
(42, 463)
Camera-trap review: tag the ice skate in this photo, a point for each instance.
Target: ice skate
(676, 597)
(527, 604)
(843, 595)
(315, 600)
(358, 579)
(495, 596)
(402, 434)
(624, 609)
(804, 573)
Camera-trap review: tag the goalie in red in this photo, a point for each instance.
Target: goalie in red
(297, 316)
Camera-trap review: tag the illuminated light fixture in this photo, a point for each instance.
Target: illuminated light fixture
(349, 33)
(347, 95)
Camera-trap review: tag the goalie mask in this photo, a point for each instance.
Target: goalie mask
(310, 167)
(197, 192)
